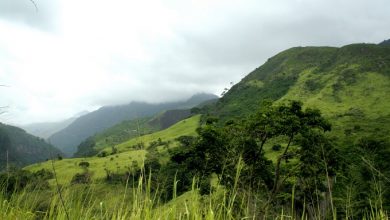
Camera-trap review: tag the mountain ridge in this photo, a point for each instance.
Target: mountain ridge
(19, 148)
(107, 116)
(344, 83)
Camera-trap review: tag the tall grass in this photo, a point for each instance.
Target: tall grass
(138, 201)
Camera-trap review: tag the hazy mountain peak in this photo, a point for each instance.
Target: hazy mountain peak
(385, 42)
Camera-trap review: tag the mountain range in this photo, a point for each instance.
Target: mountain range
(97, 121)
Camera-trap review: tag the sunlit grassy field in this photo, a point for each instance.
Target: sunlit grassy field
(120, 162)
(182, 128)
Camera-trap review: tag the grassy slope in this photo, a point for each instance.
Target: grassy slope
(184, 127)
(350, 85)
(126, 130)
(271, 80)
(123, 131)
(121, 161)
(364, 103)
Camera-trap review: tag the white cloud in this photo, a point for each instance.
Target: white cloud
(78, 55)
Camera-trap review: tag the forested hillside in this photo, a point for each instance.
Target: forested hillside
(22, 148)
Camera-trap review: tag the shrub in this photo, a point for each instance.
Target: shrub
(114, 150)
(186, 141)
(17, 180)
(84, 164)
(312, 85)
(102, 154)
(276, 147)
(82, 178)
(43, 174)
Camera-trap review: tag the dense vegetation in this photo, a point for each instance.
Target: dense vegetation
(19, 148)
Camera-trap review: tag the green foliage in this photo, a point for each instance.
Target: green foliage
(102, 154)
(367, 171)
(84, 164)
(16, 180)
(276, 147)
(21, 148)
(86, 148)
(82, 178)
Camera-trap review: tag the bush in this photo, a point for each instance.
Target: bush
(186, 141)
(102, 154)
(138, 146)
(82, 178)
(43, 174)
(114, 150)
(312, 85)
(84, 164)
(17, 180)
(276, 147)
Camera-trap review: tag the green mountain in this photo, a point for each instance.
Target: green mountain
(350, 85)
(92, 123)
(385, 42)
(22, 148)
(130, 129)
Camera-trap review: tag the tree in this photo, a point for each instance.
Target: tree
(290, 121)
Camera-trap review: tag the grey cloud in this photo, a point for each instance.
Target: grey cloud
(37, 13)
(227, 49)
(210, 50)
(251, 37)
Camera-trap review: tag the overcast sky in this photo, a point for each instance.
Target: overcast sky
(68, 56)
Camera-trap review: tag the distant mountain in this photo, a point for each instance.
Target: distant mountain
(350, 85)
(385, 42)
(69, 138)
(22, 148)
(46, 129)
